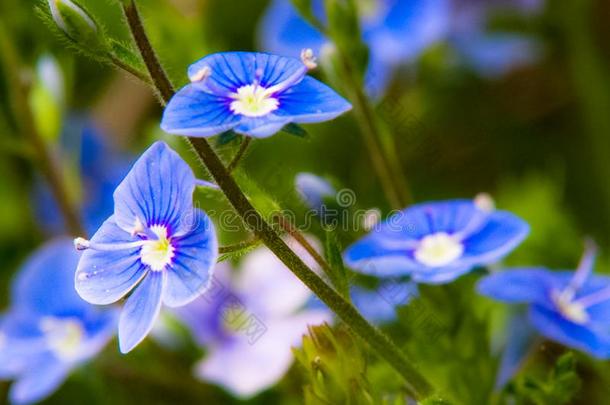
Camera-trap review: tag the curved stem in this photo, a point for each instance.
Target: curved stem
(240, 154)
(379, 342)
(48, 166)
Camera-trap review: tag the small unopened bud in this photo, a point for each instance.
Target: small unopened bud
(308, 59)
(484, 202)
(76, 23)
(201, 74)
(138, 227)
(81, 243)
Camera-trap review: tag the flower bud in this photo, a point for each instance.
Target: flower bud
(77, 24)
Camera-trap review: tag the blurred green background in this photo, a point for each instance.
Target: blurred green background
(537, 140)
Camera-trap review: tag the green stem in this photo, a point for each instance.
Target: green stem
(416, 383)
(223, 250)
(379, 143)
(240, 154)
(49, 168)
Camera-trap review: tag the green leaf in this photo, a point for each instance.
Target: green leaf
(296, 130)
(338, 275)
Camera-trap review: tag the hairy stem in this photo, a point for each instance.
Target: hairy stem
(416, 383)
(19, 90)
(240, 154)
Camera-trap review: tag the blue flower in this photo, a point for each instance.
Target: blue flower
(100, 166)
(314, 190)
(396, 32)
(254, 94)
(379, 305)
(492, 53)
(437, 242)
(49, 330)
(156, 245)
(249, 321)
(571, 308)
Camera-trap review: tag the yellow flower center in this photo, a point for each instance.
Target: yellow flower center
(157, 253)
(253, 100)
(438, 249)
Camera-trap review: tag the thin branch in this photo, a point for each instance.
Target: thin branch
(223, 250)
(49, 168)
(240, 154)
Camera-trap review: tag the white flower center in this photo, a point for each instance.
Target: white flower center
(253, 100)
(570, 309)
(64, 336)
(438, 249)
(157, 253)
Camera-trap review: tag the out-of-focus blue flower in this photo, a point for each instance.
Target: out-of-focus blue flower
(249, 321)
(49, 330)
(156, 244)
(101, 168)
(437, 242)
(254, 94)
(379, 305)
(396, 32)
(314, 190)
(492, 53)
(571, 308)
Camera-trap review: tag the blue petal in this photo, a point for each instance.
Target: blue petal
(284, 32)
(141, 310)
(158, 191)
(379, 305)
(261, 127)
(196, 254)
(407, 29)
(518, 285)
(519, 342)
(193, 112)
(501, 234)
(313, 190)
(440, 275)
(555, 327)
(377, 77)
(232, 70)
(104, 277)
(22, 340)
(45, 285)
(41, 380)
(311, 101)
(237, 364)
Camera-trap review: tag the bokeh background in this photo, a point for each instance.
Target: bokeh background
(535, 136)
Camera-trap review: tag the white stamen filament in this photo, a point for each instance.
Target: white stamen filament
(309, 59)
(201, 74)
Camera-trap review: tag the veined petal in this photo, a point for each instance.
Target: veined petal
(141, 310)
(518, 285)
(311, 101)
(157, 191)
(104, 277)
(228, 71)
(43, 377)
(441, 275)
(237, 365)
(193, 112)
(192, 269)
